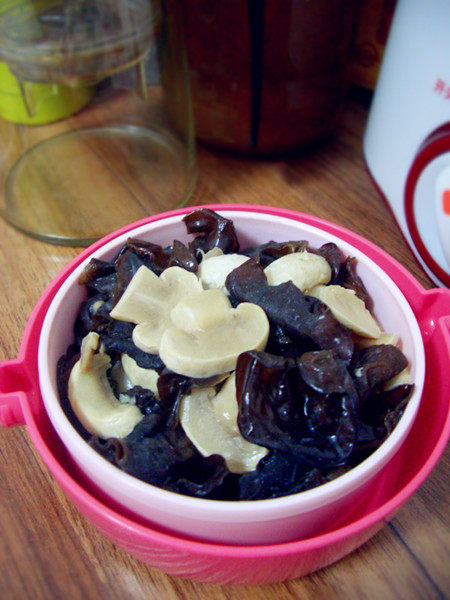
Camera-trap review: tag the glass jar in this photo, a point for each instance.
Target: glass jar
(96, 123)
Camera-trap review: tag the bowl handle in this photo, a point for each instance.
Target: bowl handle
(432, 309)
(19, 378)
(14, 383)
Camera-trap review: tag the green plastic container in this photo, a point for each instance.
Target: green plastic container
(31, 103)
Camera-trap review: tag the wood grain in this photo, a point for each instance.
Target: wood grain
(49, 551)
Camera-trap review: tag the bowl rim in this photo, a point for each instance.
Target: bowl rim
(250, 510)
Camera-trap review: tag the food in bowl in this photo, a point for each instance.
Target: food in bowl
(231, 374)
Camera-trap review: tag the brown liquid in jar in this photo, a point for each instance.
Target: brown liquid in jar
(267, 76)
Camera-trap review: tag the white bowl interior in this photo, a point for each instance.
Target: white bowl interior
(242, 522)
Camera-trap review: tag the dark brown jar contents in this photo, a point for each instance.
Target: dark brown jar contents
(267, 76)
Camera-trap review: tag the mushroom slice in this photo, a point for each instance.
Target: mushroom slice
(147, 336)
(207, 334)
(216, 251)
(304, 269)
(145, 378)
(209, 381)
(211, 434)
(213, 271)
(348, 309)
(92, 398)
(121, 381)
(97, 306)
(148, 300)
(403, 378)
(89, 344)
(226, 407)
(388, 339)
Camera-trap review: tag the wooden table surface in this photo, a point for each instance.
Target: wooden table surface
(48, 550)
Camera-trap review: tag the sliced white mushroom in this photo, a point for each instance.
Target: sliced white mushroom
(93, 400)
(207, 334)
(226, 407)
(216, 251)
(146, 378)
(348, 309)
(210, 435)
(213, 381)
(390, 339)
(213, 271)
(148, 300)
(147, 294)
(304, 269)
(403, 378)
(89, 344)
(97, 306)
(121, 381)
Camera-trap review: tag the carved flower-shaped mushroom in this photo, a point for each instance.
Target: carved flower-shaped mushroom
(207, 334)
(92, 398)
(148, 300)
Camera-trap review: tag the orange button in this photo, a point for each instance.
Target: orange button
(446, 202)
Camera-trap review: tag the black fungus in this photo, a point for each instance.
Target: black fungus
(148, 404)
(99, 277)
(119, 346)
(108, 327)
(326, 373)
(197, 476)
(135, 255)
(150, 458)
(285, 305)
(281, 343)
(153, 256)
(349, 279)
(213, 231)
(172, 386)
(112, 449)
(127, 266)
(91, 309)
(183, 257)
(378, 419)
(116, 339)
(331, 253)
(156, 445)
(385, 409)
(376, 365)
(277, 475)
(270, 251)
(279, 410)
(171, 389)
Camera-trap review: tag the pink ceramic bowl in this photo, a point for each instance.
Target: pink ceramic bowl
(380, 494)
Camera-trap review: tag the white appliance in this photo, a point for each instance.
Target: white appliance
(407, 138)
